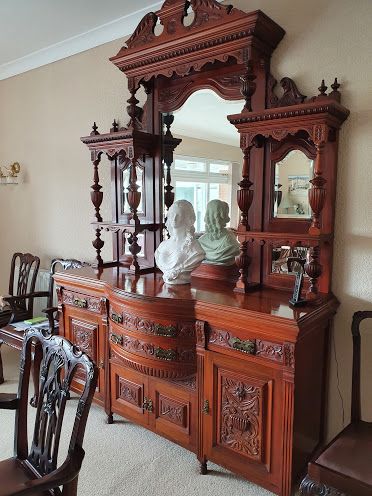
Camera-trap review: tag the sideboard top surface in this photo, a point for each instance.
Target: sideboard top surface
(268, 302)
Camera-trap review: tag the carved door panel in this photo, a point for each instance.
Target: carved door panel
(86, 331)
(129, 394)
(241, 414)
(174, 414)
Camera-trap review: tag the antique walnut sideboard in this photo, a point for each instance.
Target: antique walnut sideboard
(225, 367)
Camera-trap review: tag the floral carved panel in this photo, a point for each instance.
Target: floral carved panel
(129, 392)
(240, 414)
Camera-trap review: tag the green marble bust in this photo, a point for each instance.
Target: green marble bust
(220, 244)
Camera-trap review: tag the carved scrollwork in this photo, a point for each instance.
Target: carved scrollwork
(240, 428)
(144, 32)
(291, 94)
(314, 488)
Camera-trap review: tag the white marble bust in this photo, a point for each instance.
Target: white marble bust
(220, 244)
(179, 255)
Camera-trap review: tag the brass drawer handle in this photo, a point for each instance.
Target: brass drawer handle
(165, 330)
(147, 404)
(165, 354)
(205, 408)
(116, 339)
(117, 318)
(80, 302)
(244, 346)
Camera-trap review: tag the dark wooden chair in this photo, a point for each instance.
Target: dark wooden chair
(345, 465)
(22, 294)
(35, 471)
(14, 338)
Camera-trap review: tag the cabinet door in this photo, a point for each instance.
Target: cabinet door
(242, 406)
(174, 414)
(129, 394)
(86, 331)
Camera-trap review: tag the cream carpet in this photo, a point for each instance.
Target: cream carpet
(125, 459)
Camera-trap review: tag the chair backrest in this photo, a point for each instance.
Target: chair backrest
(59, 365)
(358, 317)
(24, 285)
(65, 264)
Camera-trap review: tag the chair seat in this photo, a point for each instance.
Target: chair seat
(12, 474)
(350, 453)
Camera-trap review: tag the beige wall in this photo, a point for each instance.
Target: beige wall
(45, 111)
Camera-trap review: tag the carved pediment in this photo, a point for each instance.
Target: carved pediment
(144, 32)
(291, 94)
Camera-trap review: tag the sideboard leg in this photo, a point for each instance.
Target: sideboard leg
(203, 467)
(109, 418)
(1, 365)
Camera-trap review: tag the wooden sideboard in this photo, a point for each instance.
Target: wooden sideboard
(237, 379)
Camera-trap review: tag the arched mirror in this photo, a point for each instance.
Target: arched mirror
(207, 160)
(291, 185)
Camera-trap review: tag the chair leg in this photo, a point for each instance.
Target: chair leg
(313, 488)
(70, 489)
(1, 365)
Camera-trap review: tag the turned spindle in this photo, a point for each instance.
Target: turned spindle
(322, 89)
(134, 111)
(168, 160)
(243, 261)
(314, 270)
(317, 193)
(248, 86)
(245, 194)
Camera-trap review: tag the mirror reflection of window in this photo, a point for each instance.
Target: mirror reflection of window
(208, 161)
(292, 176)
(125, 184)
(199, 181)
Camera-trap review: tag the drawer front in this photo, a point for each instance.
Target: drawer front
(248, 344)
(143, 325)
(129, 394)
(83, 301)
(152, 355)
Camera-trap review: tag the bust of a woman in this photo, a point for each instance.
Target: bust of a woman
(179, 255)
(220, 244)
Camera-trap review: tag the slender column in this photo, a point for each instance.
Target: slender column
(313, 269)
(245, 194)
(248, 87)
(134, 111)
(317, 194)
(134, 198)
(97, 197)
(168, 160)
(243, 262)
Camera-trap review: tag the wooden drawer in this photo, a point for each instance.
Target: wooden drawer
(169, 328)
(153, 355)
(84, 301)
(244, 343)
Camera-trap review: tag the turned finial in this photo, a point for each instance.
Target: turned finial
(248, 86)
(115, 127)
(94, 127)
(322, 88)
(335, 85)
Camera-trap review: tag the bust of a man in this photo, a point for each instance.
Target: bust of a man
(220, 244)
(179, 255)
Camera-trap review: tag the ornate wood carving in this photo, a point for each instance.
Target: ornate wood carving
(84, 335)
(144, 32)
(289, 355)
(241, 417)
(269, 350)
(248, 86)
(130, 392)
(147, 349)
(313, 269)
(133, 322)
(173, 411)
(291, 94)
(82, 301)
